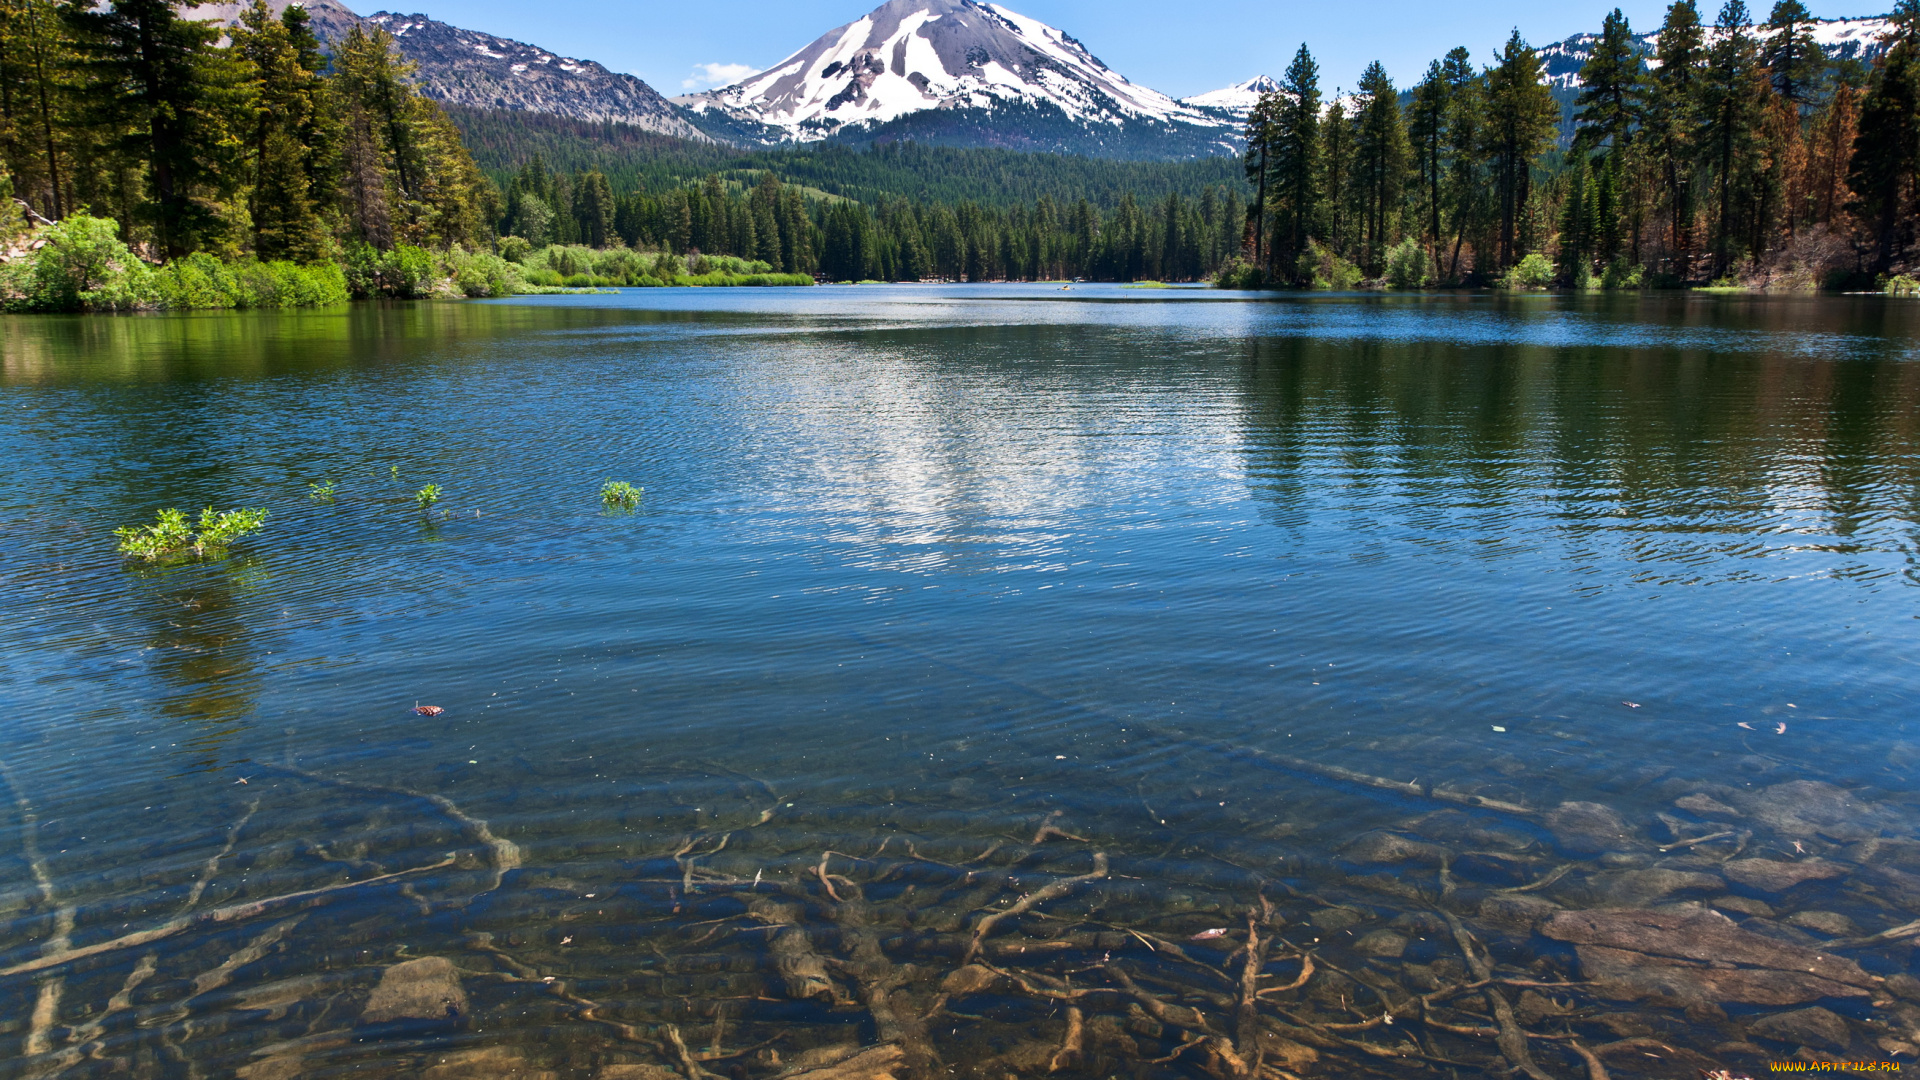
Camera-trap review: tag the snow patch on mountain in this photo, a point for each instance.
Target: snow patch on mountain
(1848, 39)
(1238, 99)
(910, 56)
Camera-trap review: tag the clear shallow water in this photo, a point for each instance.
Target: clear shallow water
(920, 571)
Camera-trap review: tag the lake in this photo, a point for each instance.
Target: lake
(991, 681)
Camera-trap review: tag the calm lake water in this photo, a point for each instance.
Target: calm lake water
(1399, 622)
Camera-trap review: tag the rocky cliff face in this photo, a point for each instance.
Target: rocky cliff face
(465, 67)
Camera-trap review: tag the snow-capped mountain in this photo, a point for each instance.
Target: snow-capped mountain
(1841, 39)
(465, 67)
(1237, 99)
(957, 71)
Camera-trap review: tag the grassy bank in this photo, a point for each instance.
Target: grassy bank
(81, 264)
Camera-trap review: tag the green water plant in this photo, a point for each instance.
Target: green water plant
(171, 538)
(427, 496)
(321, 492)
(618, 494)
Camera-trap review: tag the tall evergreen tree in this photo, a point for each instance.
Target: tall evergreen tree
(1258, 159)
(1297, 160)
(1380, 164)
(1336, 172)
(288, 139)
(35, 146)
(1731, 109)
(1673, 109)
(1427, 130)
(1885, 168)
(1465, 111)
(166, 104)
(1792, 57)
(1520, 117)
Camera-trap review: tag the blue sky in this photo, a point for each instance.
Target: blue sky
(1181, 48)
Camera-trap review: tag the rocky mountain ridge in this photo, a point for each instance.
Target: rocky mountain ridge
(483, 71)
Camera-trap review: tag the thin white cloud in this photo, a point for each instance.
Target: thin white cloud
(707, 76)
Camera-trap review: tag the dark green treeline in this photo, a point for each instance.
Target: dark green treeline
(886, 239)
(1740, 151)
(269, 147)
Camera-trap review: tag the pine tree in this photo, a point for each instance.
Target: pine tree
(166, 105)
(1296, 195)
(1609, 112)
(1336, 170)
(1793, 58)
(593, 207)
(1731, 102)
(1427, 130)
(1886, 152)
(288, 140)
(1258, 160)
(1380, 164)
(1576, 213)
(35, 104)
(1520, 117)
(1465, 111)
(1673, 110)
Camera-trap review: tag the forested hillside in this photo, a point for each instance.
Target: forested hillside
(635, 160)
(1737, 152)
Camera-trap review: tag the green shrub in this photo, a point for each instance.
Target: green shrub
(171, 539)
(1408, 266)
(1622, 274)
(83, 266)
(514, 249)
(1533, 272)
(1901, 285)
(1238, 273)
(1325, 270)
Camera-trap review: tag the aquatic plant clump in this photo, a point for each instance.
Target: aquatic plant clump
(620, 495)
(427, 497)
(171, 539)
(322, 492)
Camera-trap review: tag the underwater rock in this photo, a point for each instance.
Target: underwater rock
(1635, 888)
(878, 1063)
(1534, 1007)
(484, 1063)
(1745, 905)
(1814, 1027)
(1691, 956)
(1333, 919)
(1809, 808)
(637, 1071)
(1588, 828)
(1705, 806)
(1518, 911)
(970, 979)
(1387, 848)
(424, 989)
(1771, 876)
(1382, 943)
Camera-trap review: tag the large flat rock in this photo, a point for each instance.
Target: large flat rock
(1699, 956)
(424, 989)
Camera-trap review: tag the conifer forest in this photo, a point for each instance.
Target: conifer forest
(172, 162)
